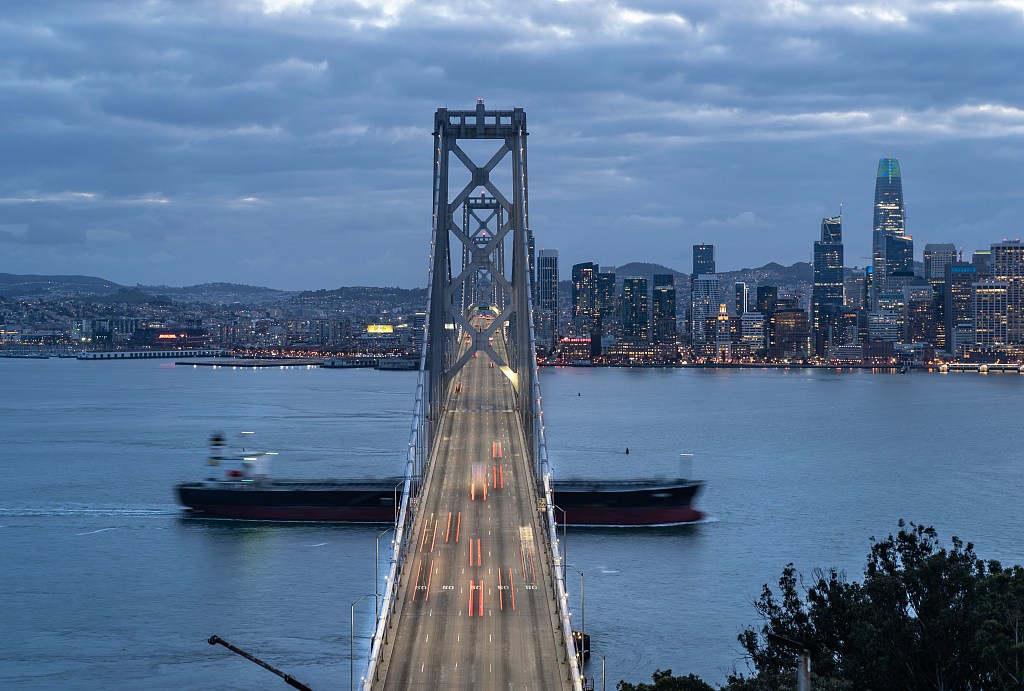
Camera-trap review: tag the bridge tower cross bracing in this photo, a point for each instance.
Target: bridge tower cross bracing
(453, 296)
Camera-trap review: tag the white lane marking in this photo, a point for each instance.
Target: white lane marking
(97, 531)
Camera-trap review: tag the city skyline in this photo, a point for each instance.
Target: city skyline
(287, 143)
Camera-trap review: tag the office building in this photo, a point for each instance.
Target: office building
(752, 333)
(991, 323)
(546, 323)
(856, 290)
(742, 298)
(703, 264)
(1008, 266)
(723, 334)
(663, 317)
(704, 302)
(789, 335)
(584, 296)
(936, 257)
(959, 302)
(767, 296)
(827, 288)
(983, 260)
(634, 308)
(889, 221)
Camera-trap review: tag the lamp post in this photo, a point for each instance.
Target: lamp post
(556, 506)
(602, 670)
(583, 617)
(352, 644)
(376, 579)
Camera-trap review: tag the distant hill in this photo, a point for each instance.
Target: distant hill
(800, 271)
(219, 287)
(645, 270)
(129, 296)
(372, 293)
(27, 284)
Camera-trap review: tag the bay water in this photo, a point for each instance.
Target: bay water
(105, 583)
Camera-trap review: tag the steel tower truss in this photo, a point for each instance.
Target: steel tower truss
(500, 217)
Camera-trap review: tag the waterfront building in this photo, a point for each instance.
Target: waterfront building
(888, 222)
(1008, 266)
(546, 324)
(704, 302)
(958, 306)
(723, 334)
(827, 288)
(634, 308)
(742, 298)
(663, 322)
(961, 338)
(789, 335)
(885, 325)
(584, 295)
(752, 333)
(990, 313)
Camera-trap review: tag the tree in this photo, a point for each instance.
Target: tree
(915, 623)
(664, 681)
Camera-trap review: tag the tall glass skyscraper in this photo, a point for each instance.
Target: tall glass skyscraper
(703, 263)
(546, 320)
(663, 321)
(584, 295)
(827, 290)
(889, 221)
(634, 308)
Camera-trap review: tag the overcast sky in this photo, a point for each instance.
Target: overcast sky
(287, 143)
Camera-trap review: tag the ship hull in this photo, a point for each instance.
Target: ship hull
(591, 503)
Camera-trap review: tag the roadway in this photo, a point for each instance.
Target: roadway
(477, 610)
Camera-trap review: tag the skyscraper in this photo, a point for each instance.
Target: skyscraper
(584, 295)
(634, 308)
(958, 308)
(742, 298)
(1008, 266)
(827, 289)
(889, 221)
(703, 263)
(547, 298)
(606, 295)
(704, 302)
(936, 256)
(991, 313)
(663, 321)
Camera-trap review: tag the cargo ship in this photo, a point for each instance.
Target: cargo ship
(237, 486)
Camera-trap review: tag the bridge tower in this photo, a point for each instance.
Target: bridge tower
(496, 199)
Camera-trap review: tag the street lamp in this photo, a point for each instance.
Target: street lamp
(352, 644)
(376, 578)
(556, 506)
(602, 670)
(583, 617)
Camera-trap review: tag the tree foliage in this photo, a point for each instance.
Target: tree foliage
(924, 618)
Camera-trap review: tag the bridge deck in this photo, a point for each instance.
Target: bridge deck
(477, 610)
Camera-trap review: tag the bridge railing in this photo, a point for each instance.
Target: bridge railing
(545, 480)
(405, 516)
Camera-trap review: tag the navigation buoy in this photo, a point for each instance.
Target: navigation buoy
(627, 449)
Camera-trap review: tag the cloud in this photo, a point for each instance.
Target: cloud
(140, 129)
